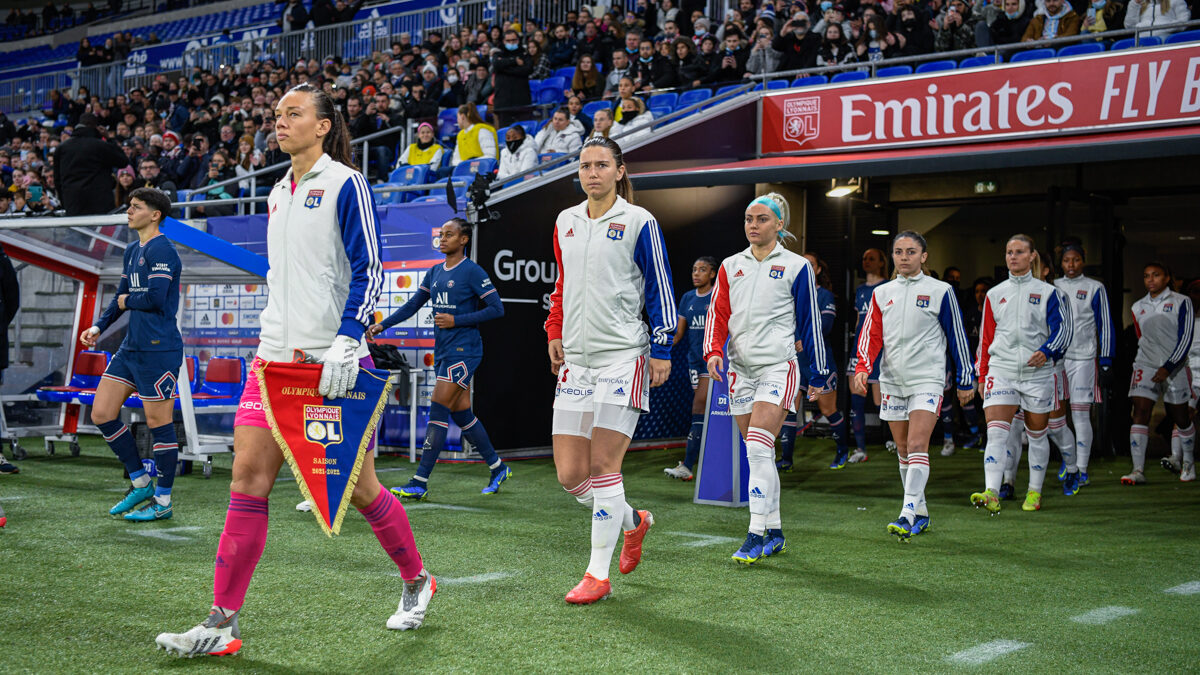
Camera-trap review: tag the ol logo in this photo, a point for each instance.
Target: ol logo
(922, 301)
(313, 200)
(616, 232)
(1035, 299)
(323, 424)
(776, 271)
(1167, 307)
(801, 119)
(1081, 294)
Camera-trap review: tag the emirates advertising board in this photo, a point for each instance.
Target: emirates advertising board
(1110, 91)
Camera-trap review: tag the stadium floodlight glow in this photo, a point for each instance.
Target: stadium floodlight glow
(843, 188)
(881, 233)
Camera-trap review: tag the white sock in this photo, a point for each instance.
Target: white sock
(774, 517)
(995, 455)
(914, 484)
(1081, 417)
(609, 494)
(922, 507)
(582, 492)
(627, 518)
(141, 481)
(163, 500)
(903, 471)
(760, 455)
(1139, 436)
(1039, 457)
(1187, 443)
(1176, 446)
(1016, 440)
(1064, 440)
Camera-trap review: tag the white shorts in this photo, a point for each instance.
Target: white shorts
(1035, 396)
(1060, 383)
(893, 408)
(1195, 390)
(1081, 381)
(585, 389)
(777, 385)
(1175, 390)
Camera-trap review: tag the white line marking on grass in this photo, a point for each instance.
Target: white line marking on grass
(1190, 588)
(981, 654)
(448, 507)
(165, 534)
(473, 579)
(12, 498)
(1103, 615)
(703, 539)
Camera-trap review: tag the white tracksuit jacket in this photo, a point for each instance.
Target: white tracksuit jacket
(609, 268)
(912, 319)
(1164, 327)
(764, 308)
(1022, 315)
(326, 274)
(1094, 336)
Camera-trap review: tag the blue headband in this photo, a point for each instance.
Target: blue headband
(769, 203)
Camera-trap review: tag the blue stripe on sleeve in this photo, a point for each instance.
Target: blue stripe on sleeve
(360, 236)
(1058, 321)
(952, 325)
(1104, 326)
(808, 318)
(1186, 325)
(650, 255)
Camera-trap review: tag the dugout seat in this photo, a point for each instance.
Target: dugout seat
(89, 366)
(223, 382)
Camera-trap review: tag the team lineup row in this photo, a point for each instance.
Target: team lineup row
(764, 308)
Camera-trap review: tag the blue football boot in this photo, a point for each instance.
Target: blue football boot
(133, 497)
(751, 550)
(773, 543)
(500, 475)
(150, 512)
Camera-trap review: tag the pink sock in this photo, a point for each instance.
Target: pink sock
(241, 546)
(390, 524)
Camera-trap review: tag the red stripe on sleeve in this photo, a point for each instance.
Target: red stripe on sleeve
(870, 339)
(554, 322)
(986, 334)
(716, 324)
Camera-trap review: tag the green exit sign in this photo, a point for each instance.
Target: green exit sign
(984, 187)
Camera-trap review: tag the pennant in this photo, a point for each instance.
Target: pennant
(323, 440)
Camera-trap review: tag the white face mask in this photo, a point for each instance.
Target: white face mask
(452, 78)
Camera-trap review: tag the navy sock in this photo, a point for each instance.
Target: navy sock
(947, 417)
(858, 420)
(971, 413)
(435, 440)
(693, 441)
(472, 430)
(837, 427)
(120, 439)
(787, 438)
(166, 455)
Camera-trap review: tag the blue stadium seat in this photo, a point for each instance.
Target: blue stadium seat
(1077, 50)
(810, 81)
(531, 126)
(414, 174)
(474, 166)
(383, 198)
(661, 112)
(1032, 55)
(558, 84)
(482, 110)
(852, 76)
(549, 157)
(667, 100)
(1128, 43)
(548, 95)
(977, 61)
(591, 108)
(692, 97)
(430, 199)
(777, 84)
(1185, 36)
(894, 71)
(567, 73)
(447, 124)
(936, 66)
(727, 88)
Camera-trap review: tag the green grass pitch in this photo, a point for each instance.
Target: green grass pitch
(83, 592)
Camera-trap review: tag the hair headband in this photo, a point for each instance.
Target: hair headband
(769, 203)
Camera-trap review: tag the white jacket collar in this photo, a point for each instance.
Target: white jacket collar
(748, 252)
(1022, 278)
(322, 162)
(911, 280)
(618, 208)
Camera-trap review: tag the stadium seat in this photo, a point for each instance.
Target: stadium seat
(224, 378)
(567, 73)
(409, 174)
(977, 61)
(549, 95)
(555, 84)
(692, 97)
(1032, 55)
(548, 158)
(591, 108)
(894, 71)
(430, 199)
(447, 124)
(1077, 50)
(852, 76)
(810, 81)
(1185, 36)
(936, 66)
(471, 167)
(727, 88)
(530, 126)
(1128, 43)
(777, 84)
(482, 110)
(661, 112)
(89, 366)
(667, 100)
(383, 198)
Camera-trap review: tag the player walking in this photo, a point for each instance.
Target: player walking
(148, 360)
(693, 309)
(457, 287)
(612, 262)
(827, 400)
(765, 302)
(912, 319)
(1164, 323)
(323, 246)
(1026, 327)
(874, 264)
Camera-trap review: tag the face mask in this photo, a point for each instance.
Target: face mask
(1012, 16)
(511, 47)
(912, 23)
(645, 59)
(628, 115)
(701, 31)
(874, 33)
(452, 78)
(512, 146)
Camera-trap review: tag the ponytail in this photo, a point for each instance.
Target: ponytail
(336, 143)
(624, 186)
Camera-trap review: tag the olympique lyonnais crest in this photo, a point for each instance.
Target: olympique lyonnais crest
(1035, 299)
(801, 119)
(313, 200)
(922, 301)
(1081, 294)
(777, 271)
(616, 232)
(323, 440)
(1168, 306)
